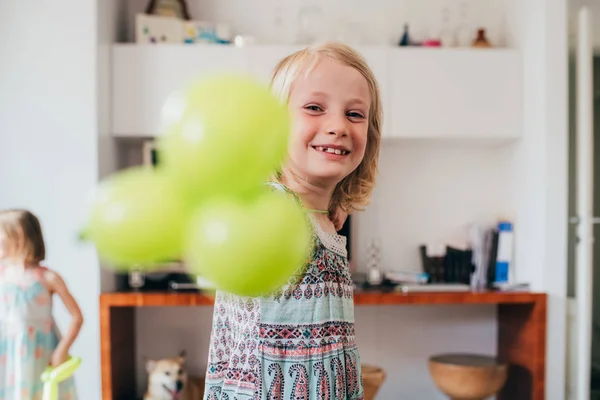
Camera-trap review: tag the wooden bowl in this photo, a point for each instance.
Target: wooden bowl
(468, 376)
(373, 377)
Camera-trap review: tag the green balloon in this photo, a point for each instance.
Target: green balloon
(249, 248)
(137, 219)
(223, 135)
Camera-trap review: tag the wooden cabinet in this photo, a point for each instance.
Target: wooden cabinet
(426, 93)
(521, 333)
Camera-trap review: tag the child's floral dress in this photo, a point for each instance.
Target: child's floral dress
(298, 344)
(28, 336)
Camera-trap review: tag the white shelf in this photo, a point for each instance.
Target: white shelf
(456, 93)
(426, 92)
(144, 75)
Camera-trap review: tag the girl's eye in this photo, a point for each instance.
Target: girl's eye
(354, 114)
(314, 108)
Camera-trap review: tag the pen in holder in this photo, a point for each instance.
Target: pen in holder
(53, 376)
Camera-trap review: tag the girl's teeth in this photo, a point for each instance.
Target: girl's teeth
(332, 151)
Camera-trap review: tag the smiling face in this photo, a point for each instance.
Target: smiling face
(330, 114)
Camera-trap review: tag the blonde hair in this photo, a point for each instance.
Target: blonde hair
(354, 191)
(24, 234)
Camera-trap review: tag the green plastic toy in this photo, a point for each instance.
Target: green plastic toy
(53, 376)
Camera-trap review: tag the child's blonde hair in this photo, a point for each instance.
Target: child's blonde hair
(354, 191)
(24, 234)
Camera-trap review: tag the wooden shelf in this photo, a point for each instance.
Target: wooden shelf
(391, 298)
(366, 298)
(521, 320)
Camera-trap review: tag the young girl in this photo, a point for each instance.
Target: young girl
(29, 339)
(300, 344)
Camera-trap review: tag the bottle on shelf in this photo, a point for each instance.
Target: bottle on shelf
(481, 39)
(504, 258)
(464, 30)
(446, 36)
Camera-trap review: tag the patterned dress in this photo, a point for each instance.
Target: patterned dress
(28, 335)
(298, 344)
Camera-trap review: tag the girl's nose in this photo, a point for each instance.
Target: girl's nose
(338, 132)
(337, 126)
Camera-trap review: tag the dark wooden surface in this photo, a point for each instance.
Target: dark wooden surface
(134, 299)
(522, 342)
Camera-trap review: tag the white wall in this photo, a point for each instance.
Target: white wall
(557, 134)
(48, 144)
(429, 192)
(108, 12)
(542, 189)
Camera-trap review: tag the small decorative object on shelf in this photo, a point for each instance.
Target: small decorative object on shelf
(136, 279)
(464, 32)
(168, 8)
(201, 32)
(447, 35)
(160, 29)
(431, 43)
(244, 40)
(156, 29)
(433, 263)
(405, 40)
(481, 40)
(375, 275)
